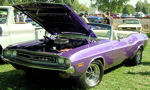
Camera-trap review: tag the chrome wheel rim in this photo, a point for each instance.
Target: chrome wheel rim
(92, 75)
(138, 58)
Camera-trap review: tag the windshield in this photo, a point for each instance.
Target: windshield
(102, 31)
(92, 20)
(3, 16)
(95, 20)
(131, 22)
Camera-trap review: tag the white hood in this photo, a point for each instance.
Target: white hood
(130, 25)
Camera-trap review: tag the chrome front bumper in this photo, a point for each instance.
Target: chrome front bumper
(67, 70)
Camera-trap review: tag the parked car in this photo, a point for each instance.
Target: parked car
(95, 19)
(125, 15)
(130, 25)
(74, 48)
(148, 16)
(11, 32)
(140, 14)
(115, 15)
(28, 20)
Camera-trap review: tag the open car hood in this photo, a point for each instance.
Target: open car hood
(55, 18)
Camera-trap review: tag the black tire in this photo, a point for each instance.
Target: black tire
(1, 60)
(137, 58)
(92, 76)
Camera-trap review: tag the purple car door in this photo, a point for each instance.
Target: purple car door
(123, 49)
(116, 53)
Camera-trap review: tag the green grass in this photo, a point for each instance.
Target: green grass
(121, 78)
(148, 34)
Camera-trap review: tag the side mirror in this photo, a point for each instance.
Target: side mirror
(120, 37)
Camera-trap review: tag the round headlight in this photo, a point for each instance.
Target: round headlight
(7, 53)
(138, 28)
(61, 61)
(67, 62)
(120, 28)
(14, 53)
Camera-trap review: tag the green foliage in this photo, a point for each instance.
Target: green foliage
(146, 9)
(76, 6)
(61, 1)
(84, 8)
(4, 2)
(72, 3)
(114, 6)
(129, 9)
(143, 7)
(145, 2)
(139, 6)
(148, 34)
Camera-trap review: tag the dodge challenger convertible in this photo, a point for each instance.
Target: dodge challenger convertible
(73, 49)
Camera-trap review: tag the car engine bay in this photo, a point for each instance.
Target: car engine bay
(56, 45)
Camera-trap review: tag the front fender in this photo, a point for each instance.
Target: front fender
(82, 65)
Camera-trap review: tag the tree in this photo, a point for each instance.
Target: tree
(139, 6)
(113, 6)
(61, 1)
(84, 8)
(76, 6)
(145, 2)
(4, 2)
(129, 9)
(146, 9)
(72, 3)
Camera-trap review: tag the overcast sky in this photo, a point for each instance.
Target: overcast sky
(132, 2)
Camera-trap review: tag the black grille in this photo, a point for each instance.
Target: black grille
(32, 57)
(129, 28)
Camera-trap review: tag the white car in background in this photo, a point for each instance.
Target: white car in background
(130, 25)
(139, 14)
(12, 32)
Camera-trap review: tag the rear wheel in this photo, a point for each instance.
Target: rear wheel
(137, 58)
(93, 75)
(1, 61)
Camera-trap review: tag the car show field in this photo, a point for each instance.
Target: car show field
(124, 78)
(75, 55)
(74, 50)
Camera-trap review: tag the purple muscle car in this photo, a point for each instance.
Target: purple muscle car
(74, 49)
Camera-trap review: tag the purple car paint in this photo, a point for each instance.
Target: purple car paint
(76, 50)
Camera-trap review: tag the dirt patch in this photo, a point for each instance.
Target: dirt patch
(146, 28)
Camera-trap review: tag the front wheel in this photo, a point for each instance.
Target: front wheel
(93, 75)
